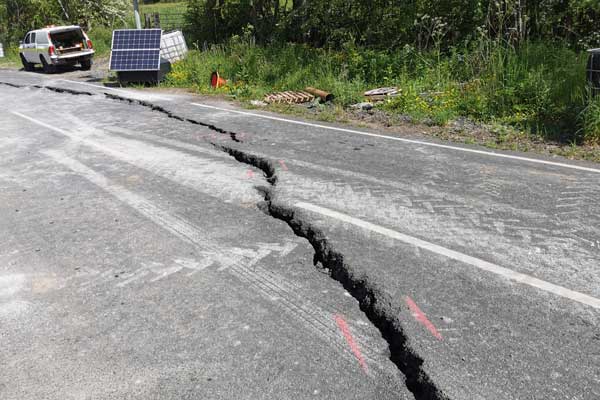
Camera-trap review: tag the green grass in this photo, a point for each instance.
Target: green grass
(11, 58)
(101, 37)
(538, 88)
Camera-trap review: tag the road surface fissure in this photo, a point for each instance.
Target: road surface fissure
(370, 299)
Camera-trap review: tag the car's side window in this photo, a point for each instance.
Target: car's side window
(26, 41)
(42, 39)
(32, 40)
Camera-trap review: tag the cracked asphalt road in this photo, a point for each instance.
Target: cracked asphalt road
(164, 246)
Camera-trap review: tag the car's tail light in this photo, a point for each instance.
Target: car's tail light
(89, 44)
(51, 50)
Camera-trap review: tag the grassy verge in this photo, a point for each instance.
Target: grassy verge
(530, 98)
(11, 58)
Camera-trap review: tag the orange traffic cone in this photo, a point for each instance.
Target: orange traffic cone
(216, 81)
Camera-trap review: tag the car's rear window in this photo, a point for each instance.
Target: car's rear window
(68, 39)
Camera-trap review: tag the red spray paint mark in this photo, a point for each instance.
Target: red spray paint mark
(348, 336)
(250, 173)
(420, 316)
(285, 168)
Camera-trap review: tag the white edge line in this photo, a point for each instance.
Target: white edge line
(455, 255)
(45, 125)
(443, 146)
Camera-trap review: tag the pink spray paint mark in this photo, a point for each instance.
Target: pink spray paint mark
(353, 346)
(285, 168)
(421, 318)
(250, 173)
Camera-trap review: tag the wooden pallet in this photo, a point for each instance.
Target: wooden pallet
(289, 97)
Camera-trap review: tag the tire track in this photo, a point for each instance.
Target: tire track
(271, 286)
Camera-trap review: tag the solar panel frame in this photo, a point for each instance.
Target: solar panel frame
(135, 49)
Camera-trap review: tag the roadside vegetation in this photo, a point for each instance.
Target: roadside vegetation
(513, 66)
(530, 87)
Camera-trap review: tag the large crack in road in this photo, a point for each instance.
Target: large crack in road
(373, 302)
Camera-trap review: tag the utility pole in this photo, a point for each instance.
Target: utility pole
(136, 12)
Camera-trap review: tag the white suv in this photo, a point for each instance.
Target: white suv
(52, 46)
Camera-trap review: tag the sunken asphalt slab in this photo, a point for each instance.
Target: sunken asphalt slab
(372, 208)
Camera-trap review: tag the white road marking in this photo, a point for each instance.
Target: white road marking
(419, 142)
(455, 255)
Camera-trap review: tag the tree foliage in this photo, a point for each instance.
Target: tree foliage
(395, 23)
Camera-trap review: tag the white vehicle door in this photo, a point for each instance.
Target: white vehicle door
(33, 49)
(29, 48)
(41, 45)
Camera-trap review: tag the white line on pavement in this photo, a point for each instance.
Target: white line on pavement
(419, 142)
(455, 255)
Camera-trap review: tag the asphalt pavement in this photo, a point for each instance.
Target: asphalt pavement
(160, 245)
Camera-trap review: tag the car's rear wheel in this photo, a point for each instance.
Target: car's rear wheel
(86, 65)
(27, 66)
(48, 68)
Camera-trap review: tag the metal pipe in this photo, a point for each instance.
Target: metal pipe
(136, 13)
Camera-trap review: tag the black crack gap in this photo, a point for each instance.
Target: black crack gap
(372, 302)
(52, 88)
(154, 107)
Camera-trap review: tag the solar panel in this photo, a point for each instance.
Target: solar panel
(136, 39)
(135, 60)
(135, 50)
